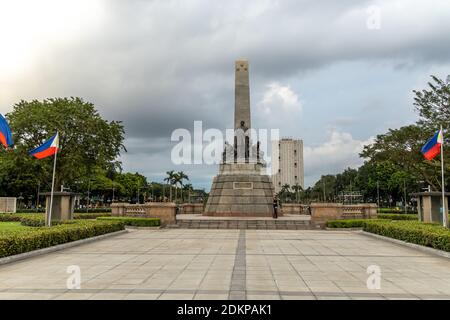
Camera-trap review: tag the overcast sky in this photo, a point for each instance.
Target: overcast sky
(328, 72)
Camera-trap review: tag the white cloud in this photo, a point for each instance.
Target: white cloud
(279, 107)
(339, 152)
(278, 96)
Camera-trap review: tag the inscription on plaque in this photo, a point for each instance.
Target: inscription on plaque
(243, 185)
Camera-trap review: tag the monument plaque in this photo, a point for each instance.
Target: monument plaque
(243, 185)
(241, 188)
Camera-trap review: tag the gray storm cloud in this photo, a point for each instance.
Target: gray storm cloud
(160, 65)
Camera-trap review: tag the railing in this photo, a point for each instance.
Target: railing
(322, 212)
(294, 208)
(137, 209)
(353, 212)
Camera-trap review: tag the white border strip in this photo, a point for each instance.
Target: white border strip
(62, 246)
(408, 244)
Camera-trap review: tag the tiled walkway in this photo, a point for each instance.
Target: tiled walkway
(222, 264)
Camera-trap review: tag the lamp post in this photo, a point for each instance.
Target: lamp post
(378, 193)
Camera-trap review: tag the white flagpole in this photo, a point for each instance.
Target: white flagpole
(51, 194)
(444, 211)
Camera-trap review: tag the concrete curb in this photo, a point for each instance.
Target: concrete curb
(142, 228)
(408, 244)
(26, 255)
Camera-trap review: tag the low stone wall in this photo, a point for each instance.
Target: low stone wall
(165, 211)
(191, 208)
(294, 208)
(322, 212)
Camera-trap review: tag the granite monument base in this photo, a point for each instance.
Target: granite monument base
(240, 190)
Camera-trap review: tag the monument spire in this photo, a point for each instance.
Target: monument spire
(241, 95)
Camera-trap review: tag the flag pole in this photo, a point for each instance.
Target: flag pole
(444, 212)
(51, 194)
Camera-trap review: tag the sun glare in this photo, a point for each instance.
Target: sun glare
(28, 27)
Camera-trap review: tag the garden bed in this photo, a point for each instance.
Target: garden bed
(135, 222)
(19, 239)
(425, 234)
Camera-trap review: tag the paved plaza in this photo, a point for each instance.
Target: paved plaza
(230, 264)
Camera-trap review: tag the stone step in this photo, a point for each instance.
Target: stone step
(244, 224)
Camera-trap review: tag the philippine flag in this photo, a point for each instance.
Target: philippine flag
(49, 148)
(5, 132)
(432, 148)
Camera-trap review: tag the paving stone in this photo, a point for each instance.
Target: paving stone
(225, 263)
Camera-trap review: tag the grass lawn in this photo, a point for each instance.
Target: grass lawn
(12, 226)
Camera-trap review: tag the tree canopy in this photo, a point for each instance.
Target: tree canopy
(88, 143)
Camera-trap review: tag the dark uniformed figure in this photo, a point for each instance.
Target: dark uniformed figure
(276, 204)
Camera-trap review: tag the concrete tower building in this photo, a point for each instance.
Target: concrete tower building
(287, 163)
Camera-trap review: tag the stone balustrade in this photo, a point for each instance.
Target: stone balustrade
(322, 212)
(294, 208)
(165, 211)
(191, 208)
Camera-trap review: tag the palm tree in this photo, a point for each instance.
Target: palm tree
(176, 181)
(170, 181)
(181, 177)
(285, 190)
(297, 188)
(188, 188)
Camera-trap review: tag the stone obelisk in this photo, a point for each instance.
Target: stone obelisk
(241, 189)
(241, 95)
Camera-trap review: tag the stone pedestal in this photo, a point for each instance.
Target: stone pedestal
(8, 204)
(429, 206)
(63, 205)
(240, 189)
(191, 208)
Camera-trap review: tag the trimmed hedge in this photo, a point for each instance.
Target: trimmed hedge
(394, 210)
(5, 217)
(359, 223)
(131, 221)
(425, 234)
(89, 215)
(398, 216)
(38, 238)
(348, 223)
(40, 210)
(38, 219)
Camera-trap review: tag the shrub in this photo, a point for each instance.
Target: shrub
(39, 210)
(4, 217)
(26, 219)
(394, 210)
(38, 238)
(34, 221)
(399, 216)
(425, 234)
(89, 215)
(348, 223)
(131, 221)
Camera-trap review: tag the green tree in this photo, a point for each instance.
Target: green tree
(131, 183)
(87, 141)
(297, 188)
(180, 178)
(170, 180)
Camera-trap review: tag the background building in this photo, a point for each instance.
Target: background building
(287, 163)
